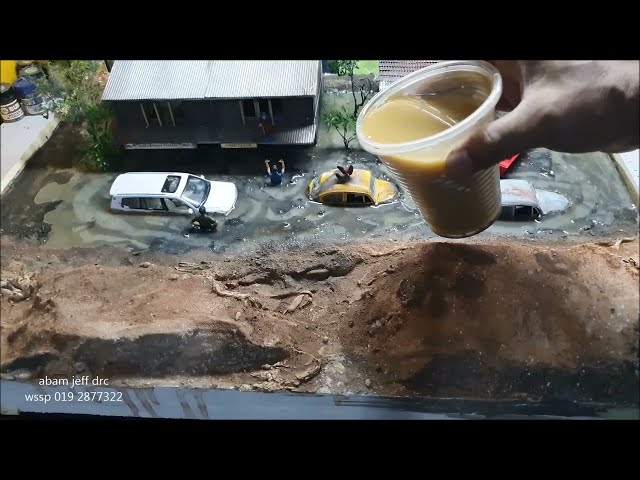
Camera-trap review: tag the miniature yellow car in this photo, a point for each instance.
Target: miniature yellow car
(360, 188)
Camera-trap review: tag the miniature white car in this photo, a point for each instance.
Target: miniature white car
(179, 193)
(522, 201)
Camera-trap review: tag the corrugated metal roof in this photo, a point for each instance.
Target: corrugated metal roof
(393, 70)
(295, 135)
(198, 79)
(157, 79)
(263, 78)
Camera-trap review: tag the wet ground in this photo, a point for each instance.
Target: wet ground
(61, 207)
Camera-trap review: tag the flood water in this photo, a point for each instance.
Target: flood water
(64, 208)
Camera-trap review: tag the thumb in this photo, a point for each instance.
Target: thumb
(500, 139)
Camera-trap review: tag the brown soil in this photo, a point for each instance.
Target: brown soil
(448, 319)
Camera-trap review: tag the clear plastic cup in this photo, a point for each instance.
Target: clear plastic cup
(453, 207)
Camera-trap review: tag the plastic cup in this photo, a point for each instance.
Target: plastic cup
(453, 207)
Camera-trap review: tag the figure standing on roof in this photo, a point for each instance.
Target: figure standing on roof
(274, 174)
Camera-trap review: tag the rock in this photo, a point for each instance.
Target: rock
(22, 375)
(238, 315)
(174, 277)
(367, 383)
(371, 332)
(324, 390)
(130, 260)
(318, 274)
(245, 387)
(80, 367)
(136, 253)
(145, 265)
(325, 339)
(16, 297)
(266, 366)
(4, 284)
(6, 292)
(351, 323)
(342, 264)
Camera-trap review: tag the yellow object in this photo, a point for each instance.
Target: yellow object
(362, 188)
(8, 71)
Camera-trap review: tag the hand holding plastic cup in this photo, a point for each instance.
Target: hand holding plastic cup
(455, 98)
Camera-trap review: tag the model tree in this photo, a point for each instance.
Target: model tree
(342, 120)
(75, 87)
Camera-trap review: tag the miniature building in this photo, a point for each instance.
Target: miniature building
(393, 70)
(184, 103)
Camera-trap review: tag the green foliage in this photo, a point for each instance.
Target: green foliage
(344, 123)
(344, 68)
(333, 66)
(75, 85)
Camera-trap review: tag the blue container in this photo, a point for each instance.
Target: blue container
(24, 88)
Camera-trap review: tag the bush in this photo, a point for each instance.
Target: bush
(77, 89)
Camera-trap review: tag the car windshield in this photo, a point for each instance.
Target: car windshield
(196, 190)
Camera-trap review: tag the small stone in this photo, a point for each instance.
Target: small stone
(613, 310)
(153, 314)
(371, 332)
(245, 387)
(80, 367)
(351, 323)
(174, 277)
(145, 265)
(367, 383)
(266, 366)
(325, 339)
(135, 254)
(238, 315)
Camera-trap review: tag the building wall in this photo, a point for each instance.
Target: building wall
(203, 121)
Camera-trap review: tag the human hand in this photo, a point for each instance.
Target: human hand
(566, 106)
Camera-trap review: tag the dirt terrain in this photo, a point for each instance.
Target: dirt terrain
(476, 320)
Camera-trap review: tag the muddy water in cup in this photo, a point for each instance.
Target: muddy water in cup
(453, 208)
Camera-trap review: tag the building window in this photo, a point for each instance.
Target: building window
(249, 109)
(151, 114)
(162, 113)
